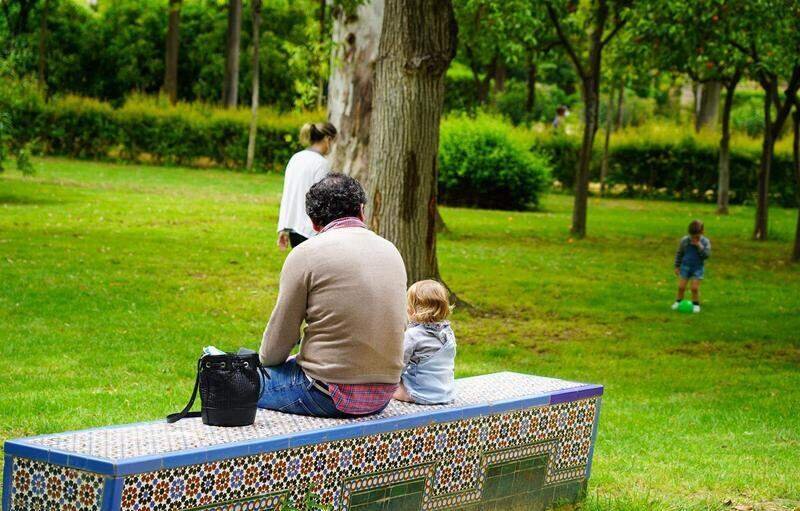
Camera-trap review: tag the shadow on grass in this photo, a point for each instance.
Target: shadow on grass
(16, 200)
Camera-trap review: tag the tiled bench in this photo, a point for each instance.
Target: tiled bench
(508, 440)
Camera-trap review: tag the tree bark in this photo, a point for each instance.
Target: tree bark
(171, 57)
(418, 41)
(708, 108)
(500, 72)
(530, 101)
(620, 99)
(796, 159)
(724, 183)
(765, 165)
(604, 163)
(43, 46)
(251, 142)
(322, 36)
(589, 93)
(356, 36)
(230, 85)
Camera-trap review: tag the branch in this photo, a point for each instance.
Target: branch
(791, 97)
(613, 32)
(551, 13)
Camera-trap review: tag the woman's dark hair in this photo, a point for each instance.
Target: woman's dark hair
(335, 196)
(313, 132)
(696, 227)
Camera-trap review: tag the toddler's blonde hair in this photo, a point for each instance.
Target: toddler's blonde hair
(428, 302)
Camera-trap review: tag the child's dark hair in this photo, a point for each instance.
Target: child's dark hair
(695, 227)
(313, 132)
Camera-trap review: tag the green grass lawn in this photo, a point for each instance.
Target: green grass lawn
(114, 277)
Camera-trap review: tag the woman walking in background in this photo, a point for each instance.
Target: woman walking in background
(303, 170)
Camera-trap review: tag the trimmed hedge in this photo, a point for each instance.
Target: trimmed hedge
(673, 163)
(481, 165)
(150, 130)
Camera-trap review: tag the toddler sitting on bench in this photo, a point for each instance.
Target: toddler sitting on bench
(429, 348)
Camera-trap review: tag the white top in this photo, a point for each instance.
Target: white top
(303, 170)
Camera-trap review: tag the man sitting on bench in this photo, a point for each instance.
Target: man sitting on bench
(349, 285)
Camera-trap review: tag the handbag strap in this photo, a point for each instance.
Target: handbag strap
(175, 417)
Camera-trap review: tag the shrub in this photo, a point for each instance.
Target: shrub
(148, 128)
(670, 161)
(483, 165)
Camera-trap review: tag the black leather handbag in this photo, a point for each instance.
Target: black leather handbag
(229, 388)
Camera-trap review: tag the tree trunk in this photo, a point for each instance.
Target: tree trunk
(251, 142)
(356, 36)
(230, 85)
(589, 93)
(531, 99)
(620, 98)
(767, 150)
(709, 105)
(171, 58)
(796, 158)
(724, 185)
(500, 76)
(43, 46)
(604, 163)
(322, 36)
(418, 41)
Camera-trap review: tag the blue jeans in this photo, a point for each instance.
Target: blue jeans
(288, 390)
(692, 272)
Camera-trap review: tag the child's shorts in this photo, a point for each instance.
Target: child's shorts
(692, 272)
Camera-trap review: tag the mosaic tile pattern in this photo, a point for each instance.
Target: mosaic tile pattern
(37, 485)
(451, 458)
(160, 438)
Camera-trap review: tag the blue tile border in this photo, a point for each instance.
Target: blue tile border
(112, 494)
(118, 468)
(594, 436)
(8, 464)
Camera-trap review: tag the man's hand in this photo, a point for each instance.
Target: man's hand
(677, 271)
(283, 240)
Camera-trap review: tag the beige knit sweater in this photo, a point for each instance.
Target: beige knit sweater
(349, 285)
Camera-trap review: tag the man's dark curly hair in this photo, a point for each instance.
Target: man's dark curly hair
(335, 196)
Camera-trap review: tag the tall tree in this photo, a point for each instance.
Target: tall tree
(418, 41)
(693, 39)
(171, 58)
(582, 30)
(323, 34)
(356, 36)
(230, 85)
(796, 161)
(774, 59)
(42, 67)
(251, 142)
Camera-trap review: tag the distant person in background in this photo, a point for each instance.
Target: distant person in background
(303, 170)
(558, 120)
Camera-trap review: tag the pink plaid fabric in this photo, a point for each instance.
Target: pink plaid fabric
(361, 398)
(348, 221)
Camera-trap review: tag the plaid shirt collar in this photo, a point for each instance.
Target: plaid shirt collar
(348, 221)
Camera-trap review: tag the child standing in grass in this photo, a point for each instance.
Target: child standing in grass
(693, 251)
(429, 349)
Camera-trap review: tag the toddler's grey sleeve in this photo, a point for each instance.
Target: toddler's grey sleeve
(705, 253)
(409, 345)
